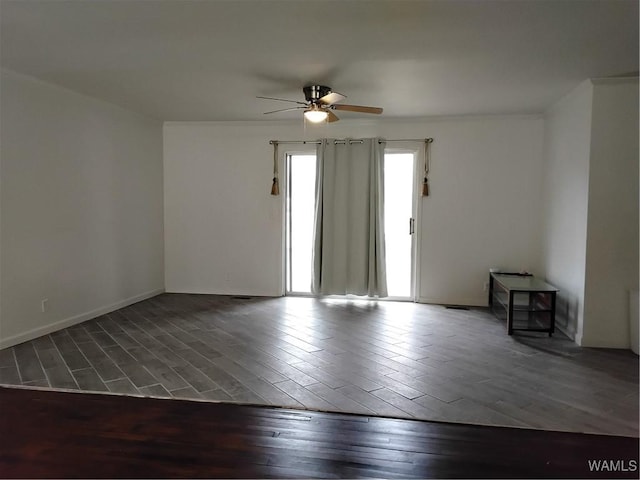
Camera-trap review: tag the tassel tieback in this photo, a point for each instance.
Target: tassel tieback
(275, 187)
(425, 187)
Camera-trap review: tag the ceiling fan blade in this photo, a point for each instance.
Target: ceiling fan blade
(331, 117)
(284, 100)
(358, 108)
(284, 110)
(331, 98)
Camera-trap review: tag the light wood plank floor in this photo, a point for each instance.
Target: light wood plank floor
(376, 358)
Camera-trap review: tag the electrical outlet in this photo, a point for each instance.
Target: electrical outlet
(44, 304)
(485, 286)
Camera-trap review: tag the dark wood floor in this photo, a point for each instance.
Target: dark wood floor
(49, 434)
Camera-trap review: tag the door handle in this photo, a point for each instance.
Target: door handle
(412, 223)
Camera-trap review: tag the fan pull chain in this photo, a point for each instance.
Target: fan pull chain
(275, 186)
(427, 165)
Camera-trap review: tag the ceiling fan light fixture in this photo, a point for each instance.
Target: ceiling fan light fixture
(315, 115)
(319, 104)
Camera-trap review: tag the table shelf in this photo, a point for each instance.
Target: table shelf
(526, 303)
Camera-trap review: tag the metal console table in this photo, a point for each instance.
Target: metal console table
(527, 302)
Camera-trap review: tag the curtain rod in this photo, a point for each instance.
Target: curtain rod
(318, 142)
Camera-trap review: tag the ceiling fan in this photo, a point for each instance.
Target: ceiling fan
(320, 103)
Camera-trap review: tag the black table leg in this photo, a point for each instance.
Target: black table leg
(510, 314)
(552, 327)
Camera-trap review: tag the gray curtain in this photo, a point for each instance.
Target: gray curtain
(349, 252)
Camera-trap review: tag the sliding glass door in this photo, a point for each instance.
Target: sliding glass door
(300, 201)
(400, 227)
(399, 223)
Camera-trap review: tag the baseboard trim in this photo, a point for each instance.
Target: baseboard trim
(569, 332)
(475, 302)
(229, 293)
(69, 322)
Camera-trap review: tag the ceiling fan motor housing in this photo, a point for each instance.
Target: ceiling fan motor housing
(313, 93)
(320, 103)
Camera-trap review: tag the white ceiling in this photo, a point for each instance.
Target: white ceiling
(208, 59)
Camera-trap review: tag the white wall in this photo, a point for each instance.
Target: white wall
(591, 214)
(81, 198)
(224, 231)
(222, 228)
(612, 230)
(484, 209)
(568, 145)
